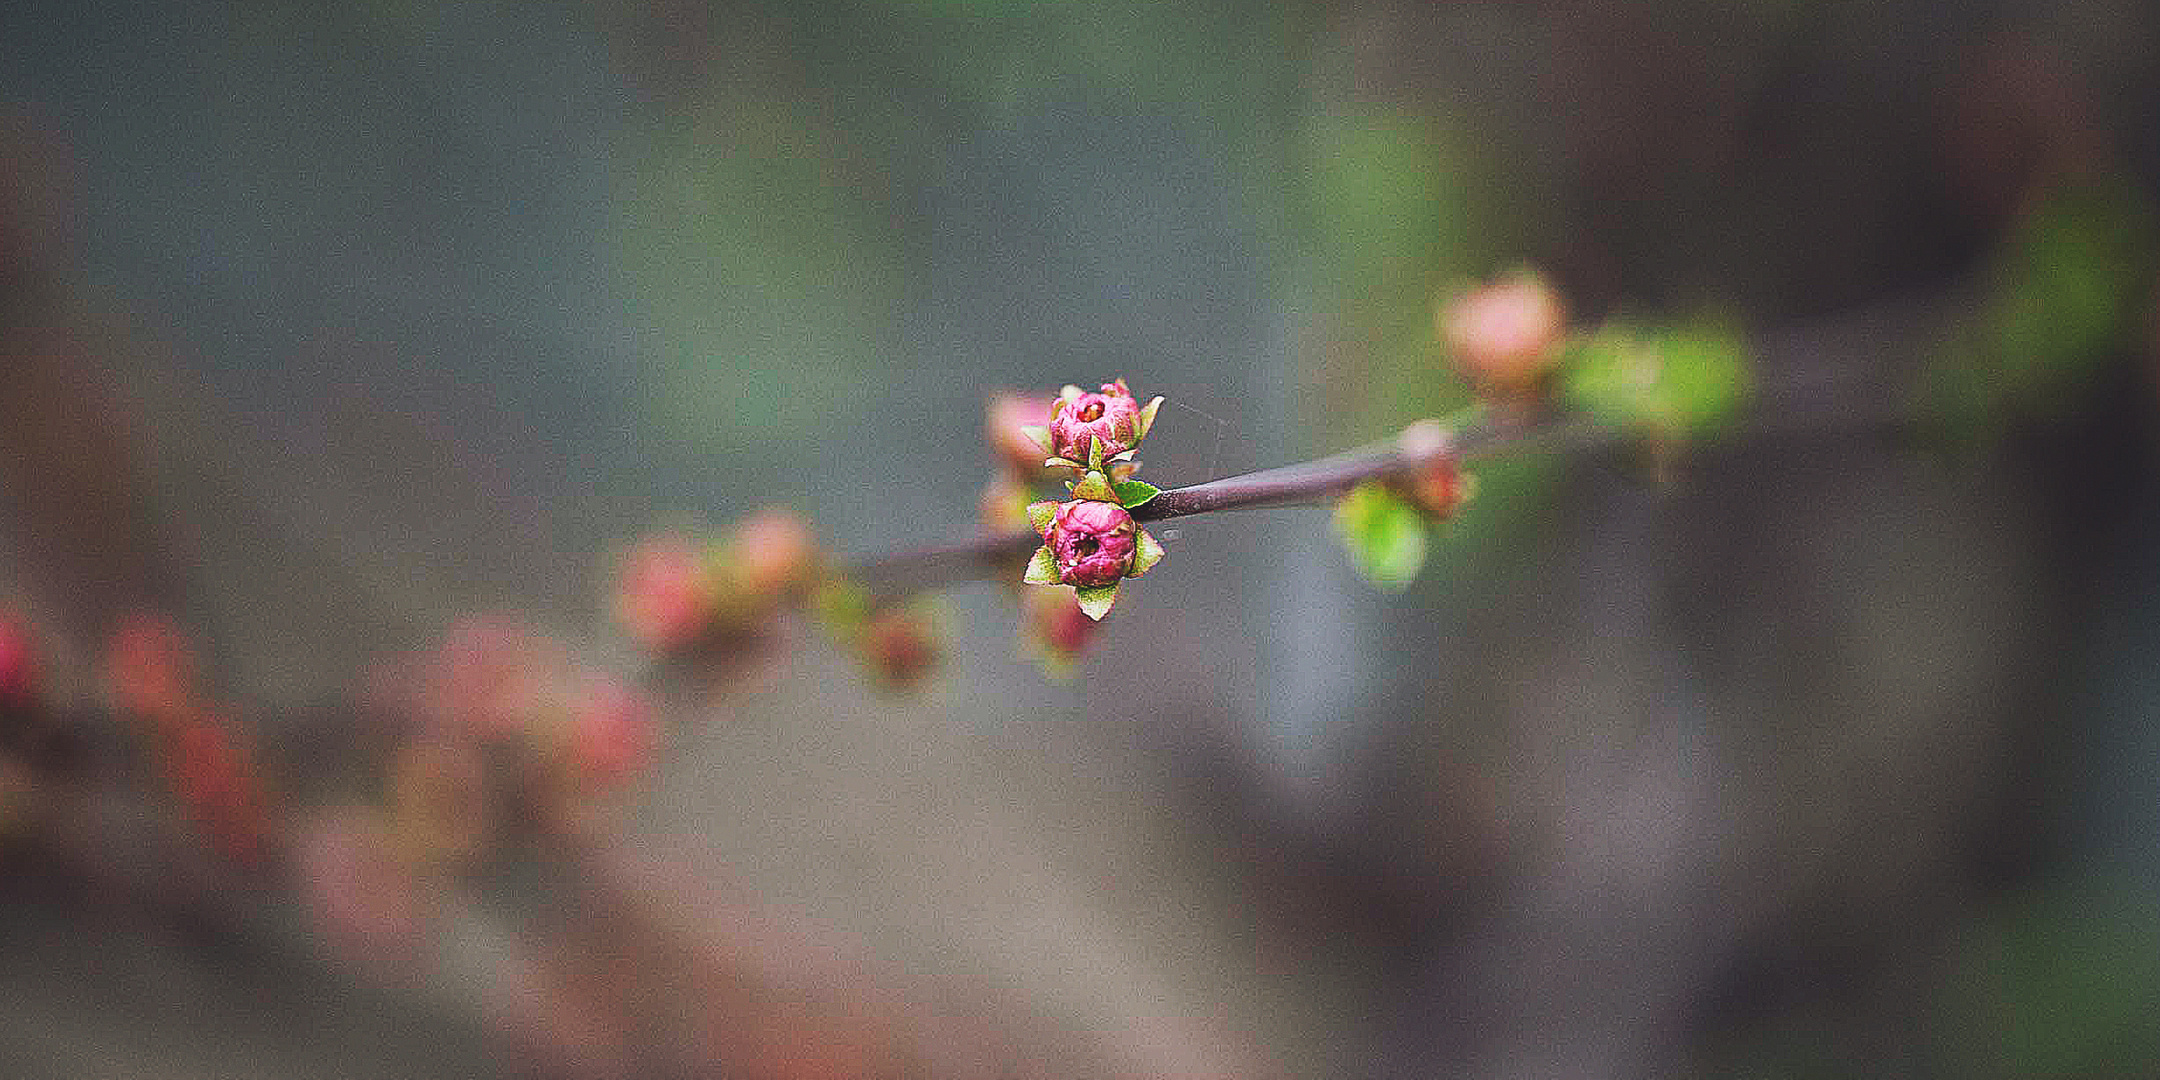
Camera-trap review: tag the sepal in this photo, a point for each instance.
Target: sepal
(1042, 569)
(1095, 486)
(1147, 416)
(1147, 551)
(1095, 600)
(1041, 515)
(1040, 434)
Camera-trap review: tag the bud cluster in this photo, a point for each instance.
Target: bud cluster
(1090, 542)
(674, 593)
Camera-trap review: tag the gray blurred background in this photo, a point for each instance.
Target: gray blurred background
(324, 328)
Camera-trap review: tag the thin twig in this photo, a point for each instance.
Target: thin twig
(988, 555)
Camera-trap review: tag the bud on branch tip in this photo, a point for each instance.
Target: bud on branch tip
(1091, 542)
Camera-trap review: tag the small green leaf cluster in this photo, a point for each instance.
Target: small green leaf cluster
(1670, 383)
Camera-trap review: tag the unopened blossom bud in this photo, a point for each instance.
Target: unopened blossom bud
(19, 665)
(614, 736)
(1055, 623)
(218, 782)
(899, 646)
(1506, 334)
(1111, 415)
(1435, 482)
(773, 553)
(150, 667)
(1093, 542)
(1009, 416)
(663, 596)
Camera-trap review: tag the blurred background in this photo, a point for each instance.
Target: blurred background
(345, 349)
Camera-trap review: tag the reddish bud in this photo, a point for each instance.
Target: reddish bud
(150, 667)
(772, 554)
(899, 646)
(217, 783)
(1093, 542)
(1435, 483)
(1055, 623)
(613, 737)
(19, 664)
(1505, 335)
(1007, 415)
(1112, 415)
(664, 598)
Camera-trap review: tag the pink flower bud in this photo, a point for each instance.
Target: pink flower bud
(773, 553)
(1056, 623)
(1093, 542)
(615, 736)
(1506, 334)
(150, 667)
(1439, 489)
(217, 782)
(899, 646)
(19, 665)
(1434, 483)
(1111, 415)
(663, 596)
(1007, 415)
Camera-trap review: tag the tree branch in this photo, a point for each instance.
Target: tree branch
(989, 555)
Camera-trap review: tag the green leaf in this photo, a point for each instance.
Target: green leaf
(1041, 436)
(1040, 514)
(1094, 486)
(1064, 463)
(1095, 454)
(1042, 569)
(1132, 493)
(1684, 380)
(1095, 600)
(1147, 551)
(1384, 534)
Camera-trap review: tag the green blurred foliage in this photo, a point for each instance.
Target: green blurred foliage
(2062, 983)
(1685, 380)
(1389, 223)
(1384, 534)
(747, 238)
(2064, 292)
